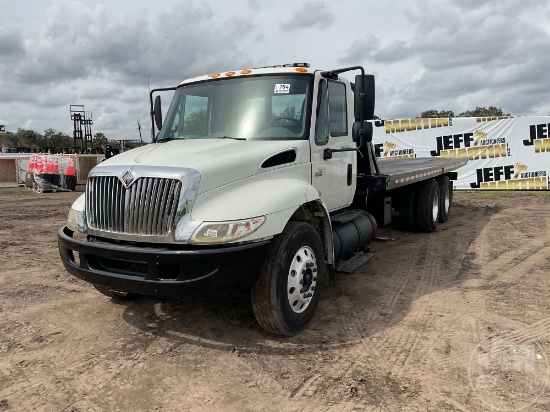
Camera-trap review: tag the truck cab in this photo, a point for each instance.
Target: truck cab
(271, 109)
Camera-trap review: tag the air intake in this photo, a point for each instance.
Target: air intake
(288, 156)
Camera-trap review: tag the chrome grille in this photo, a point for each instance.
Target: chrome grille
(147, 207)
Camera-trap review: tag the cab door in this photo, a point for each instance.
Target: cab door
(334, 177)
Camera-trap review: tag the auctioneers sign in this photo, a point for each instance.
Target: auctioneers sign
(510, 153)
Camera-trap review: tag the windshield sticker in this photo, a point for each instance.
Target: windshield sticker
(282, 88)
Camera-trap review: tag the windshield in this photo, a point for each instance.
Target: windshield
(262, 107)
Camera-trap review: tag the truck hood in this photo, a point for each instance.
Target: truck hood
(219, 161)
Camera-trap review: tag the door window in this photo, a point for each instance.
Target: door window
(321, 128)
(337, 109)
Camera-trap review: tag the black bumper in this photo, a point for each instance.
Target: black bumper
(161, 271)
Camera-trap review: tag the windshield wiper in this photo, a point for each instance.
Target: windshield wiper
(229, 137)
(166, 139)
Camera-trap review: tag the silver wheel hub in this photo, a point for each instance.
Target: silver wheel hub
(447, 199)
(435, 207)
(302, 279)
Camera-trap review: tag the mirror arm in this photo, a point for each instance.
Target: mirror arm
(327, 153)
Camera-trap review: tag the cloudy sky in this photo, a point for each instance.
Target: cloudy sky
(426, 54)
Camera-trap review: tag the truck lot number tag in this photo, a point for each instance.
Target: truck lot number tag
(282, 88)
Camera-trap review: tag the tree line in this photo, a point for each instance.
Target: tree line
(51, 138)
(490, 111)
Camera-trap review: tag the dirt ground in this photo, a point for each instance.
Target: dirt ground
(457, 320)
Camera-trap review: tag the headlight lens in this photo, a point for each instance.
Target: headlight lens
(77, 221)
(219, 232)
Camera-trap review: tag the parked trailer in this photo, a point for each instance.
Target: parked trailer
(264, 178)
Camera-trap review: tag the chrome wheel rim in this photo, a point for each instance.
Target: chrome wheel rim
(435, 207)
(302, 279)
(447, 199)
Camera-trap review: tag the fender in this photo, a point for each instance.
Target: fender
(252, 197)
(276, 199)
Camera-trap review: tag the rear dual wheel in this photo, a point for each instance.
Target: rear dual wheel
(427, 214)
(425, 205)
(445, 198)
(287, 292)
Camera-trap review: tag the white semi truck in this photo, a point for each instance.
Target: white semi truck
(263, 178)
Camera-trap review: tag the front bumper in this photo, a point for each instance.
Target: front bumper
(161, 271)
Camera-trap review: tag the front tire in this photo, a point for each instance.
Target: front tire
(287, 292)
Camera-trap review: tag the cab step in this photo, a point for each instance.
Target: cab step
(351, 265)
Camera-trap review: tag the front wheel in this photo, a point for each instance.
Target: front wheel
(287, 292)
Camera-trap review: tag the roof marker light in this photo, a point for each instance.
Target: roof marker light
(229, 73)
(301, 69)
(246, 72)
(215, 75)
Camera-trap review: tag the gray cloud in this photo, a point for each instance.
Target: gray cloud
(472, 53)
(101, 93)
(398, 50)
(255, 5)
(82, 45)
(360, 49)
(11, 44)
(92, 43)
(311, 14)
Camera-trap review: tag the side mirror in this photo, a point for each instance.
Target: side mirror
(366, 104)
(362, 134)
(158, 113)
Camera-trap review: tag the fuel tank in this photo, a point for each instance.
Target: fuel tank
(352, 231)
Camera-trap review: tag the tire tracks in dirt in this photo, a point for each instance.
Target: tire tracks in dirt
(419, 273)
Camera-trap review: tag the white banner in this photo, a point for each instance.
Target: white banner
(510, 153)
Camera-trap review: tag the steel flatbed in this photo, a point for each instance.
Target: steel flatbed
(398, 173)
(402, 172)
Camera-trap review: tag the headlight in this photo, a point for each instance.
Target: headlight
(76, 221)
(220, 232)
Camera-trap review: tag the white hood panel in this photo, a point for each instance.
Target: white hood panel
(219, 161)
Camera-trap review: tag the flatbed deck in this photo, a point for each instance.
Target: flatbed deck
(402, 172)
